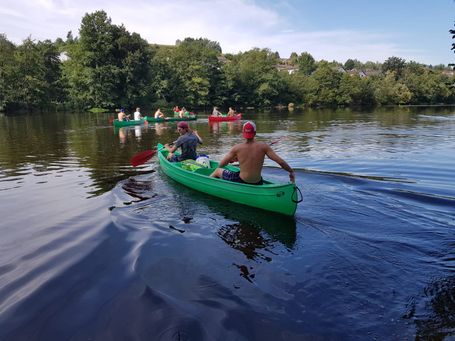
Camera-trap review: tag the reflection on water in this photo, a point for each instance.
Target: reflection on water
(251, 224)
(122, 134)
(245, 238)
(160, 128)
(137, 189)
(129, 132)
(138, 132)
(434, 311)
(234, 127)
(254, 222)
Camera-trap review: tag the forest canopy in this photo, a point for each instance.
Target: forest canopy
(106, 66)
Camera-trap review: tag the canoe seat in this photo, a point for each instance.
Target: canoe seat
(205, 171)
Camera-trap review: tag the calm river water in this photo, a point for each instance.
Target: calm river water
(93, 249)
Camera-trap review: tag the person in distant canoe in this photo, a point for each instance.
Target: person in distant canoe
(137, 114)
(159, 114)
(187, 142)
(183, 112)
(215, 112)
(231, 112)
(122, 116)
(176, 110)
(251, 155)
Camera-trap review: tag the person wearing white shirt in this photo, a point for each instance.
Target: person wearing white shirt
(137, 114)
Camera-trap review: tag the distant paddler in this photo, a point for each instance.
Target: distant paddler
(122, 116)
(159, 113)
(137, 114)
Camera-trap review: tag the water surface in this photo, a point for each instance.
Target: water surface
(92, 248)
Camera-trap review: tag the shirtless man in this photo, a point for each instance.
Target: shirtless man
(250, 155)
(122, 116)
(159, 114)
(215, 112)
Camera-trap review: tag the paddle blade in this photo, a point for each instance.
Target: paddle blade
(142, 157)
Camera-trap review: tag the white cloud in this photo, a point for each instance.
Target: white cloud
(238, 25)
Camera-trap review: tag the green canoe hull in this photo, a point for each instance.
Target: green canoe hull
(170, 119)
(280, 198)
(118, 123)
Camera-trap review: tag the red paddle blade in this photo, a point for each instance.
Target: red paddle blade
(142, 157)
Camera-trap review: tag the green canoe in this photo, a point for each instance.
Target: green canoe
(281, 198)
(118, 123)
(170, 119)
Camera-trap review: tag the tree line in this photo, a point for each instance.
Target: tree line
(108, 67)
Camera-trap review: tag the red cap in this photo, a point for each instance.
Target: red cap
(249, 130)
(183, 125)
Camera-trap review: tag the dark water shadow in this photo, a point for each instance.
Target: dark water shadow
(433, 312)
(248, 223)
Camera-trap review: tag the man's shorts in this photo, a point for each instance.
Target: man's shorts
(174, 158)
(235, 177)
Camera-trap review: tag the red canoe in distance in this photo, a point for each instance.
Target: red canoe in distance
(225, 118)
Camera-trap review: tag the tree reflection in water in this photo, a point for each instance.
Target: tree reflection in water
(256, 233)
(246, 238)
(434, 313)
(256, 229)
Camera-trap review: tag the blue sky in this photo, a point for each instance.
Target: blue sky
(328, 29)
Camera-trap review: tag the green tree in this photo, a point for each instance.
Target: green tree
(294, 88)
(97, 41)
(452, 32)
(350, 90)
(107, 65)
(322, 88)
(7, 65)
(253, 78)
(294, 58)
(395, 64)
(349, 64)
(306, 63)
(134, 56)
(390, 91)
(193, 72)
(426, 85)
(34, 80)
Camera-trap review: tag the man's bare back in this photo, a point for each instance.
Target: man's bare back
(250, 155)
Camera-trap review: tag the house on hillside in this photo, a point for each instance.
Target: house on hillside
(449, 73)
(222, 59)
(63, 56)
(290, 69)
(364, 73)
(370, 73)
(360, 73)
(340, 69)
